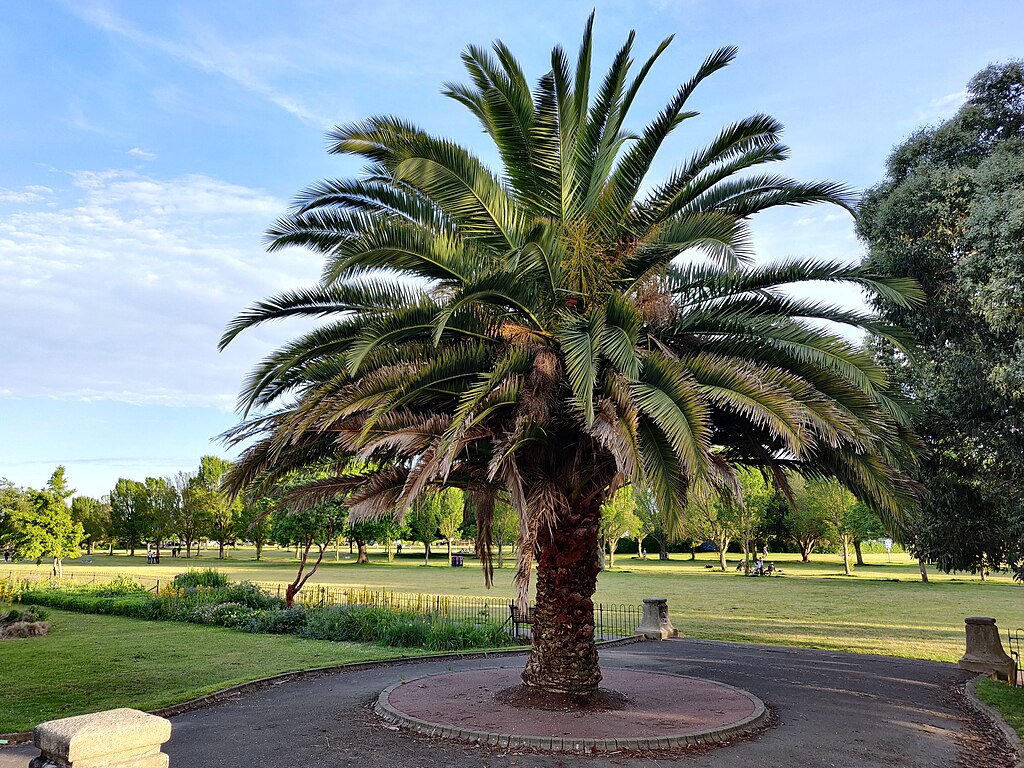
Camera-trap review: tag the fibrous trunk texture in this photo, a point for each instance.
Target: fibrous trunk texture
(563, 658)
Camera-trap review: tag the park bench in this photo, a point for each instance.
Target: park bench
(519, 617)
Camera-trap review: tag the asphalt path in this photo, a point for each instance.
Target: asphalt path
(830, 709)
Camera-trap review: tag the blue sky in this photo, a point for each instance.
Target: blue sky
(145, 148)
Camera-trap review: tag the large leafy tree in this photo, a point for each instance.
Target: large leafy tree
(44, 526)
(560, 327)
(950, 213)
(129, 507)
(94, 516)
(219, 509)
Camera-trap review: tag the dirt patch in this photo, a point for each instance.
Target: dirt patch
(524, 697)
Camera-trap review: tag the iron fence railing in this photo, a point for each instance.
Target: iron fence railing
(1016, 641)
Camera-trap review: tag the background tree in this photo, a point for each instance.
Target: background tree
(189, 519)
(807, 523)
(618, 519)
(653, 521)
(128, 510)
(534, 330)
(14, 504)
(422, 520)
(450, 512)
(220, 508)
(504, 528)
(255, 521)
(950, 213)
(715, 517)
(44, 527)
(364, 531)
(315, 526)
(865, 526)
(94, 517)
(161, 506)
(837, 508)
(751, 508)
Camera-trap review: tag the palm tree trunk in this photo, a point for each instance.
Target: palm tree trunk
(563, 658)
(856, 548)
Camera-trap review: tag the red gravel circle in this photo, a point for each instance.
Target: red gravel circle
(661, 711)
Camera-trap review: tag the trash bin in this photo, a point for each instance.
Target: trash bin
(456, 561)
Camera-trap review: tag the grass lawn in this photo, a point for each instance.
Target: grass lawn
(883, 608)
(1006, 700)
(89, 663)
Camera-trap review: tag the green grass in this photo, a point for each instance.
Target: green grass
(90, 663)
(883, 608)
(1006, 700)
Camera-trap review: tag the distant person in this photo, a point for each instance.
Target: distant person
(399, 548)
(7, 556)
(764, 552)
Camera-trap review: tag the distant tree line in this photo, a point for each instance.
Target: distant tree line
(810, 514)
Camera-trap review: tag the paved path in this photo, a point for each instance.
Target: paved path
(832, 709)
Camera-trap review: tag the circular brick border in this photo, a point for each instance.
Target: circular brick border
(391, 714)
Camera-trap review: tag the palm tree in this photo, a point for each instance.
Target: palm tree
(556, 330)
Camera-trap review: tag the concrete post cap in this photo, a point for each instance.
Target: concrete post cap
(979, 620)
(655, 599)
(87, 737)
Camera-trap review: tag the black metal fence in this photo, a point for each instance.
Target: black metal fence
(1016, 641)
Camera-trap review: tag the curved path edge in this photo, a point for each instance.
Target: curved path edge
(206, 700)
(718, 735)
(971, 693)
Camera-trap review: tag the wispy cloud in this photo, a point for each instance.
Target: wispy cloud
(247, 67)
(941, 108)
(141, 154)
(31, 194)
(122, 294)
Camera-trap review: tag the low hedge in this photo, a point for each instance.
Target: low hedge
(244, 606)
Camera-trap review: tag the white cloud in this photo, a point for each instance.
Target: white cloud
(252, 67)
(941, 108)
(141, 154)
(34, 193)
(123, 294)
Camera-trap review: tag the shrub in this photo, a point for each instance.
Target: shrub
(407, 633)
(10, 591)
(120, 585)
(453, 636)
(205, 577)
(251, 595)
(287, 621)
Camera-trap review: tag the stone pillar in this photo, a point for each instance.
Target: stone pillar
(985, 651)
(655, 624)
(117, 738)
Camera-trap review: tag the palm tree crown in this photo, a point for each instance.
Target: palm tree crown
(558, 329)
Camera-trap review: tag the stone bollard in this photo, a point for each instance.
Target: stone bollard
(117, 738)
(985, 651)
(655, 624)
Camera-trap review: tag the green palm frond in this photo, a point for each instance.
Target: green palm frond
(549, 330)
